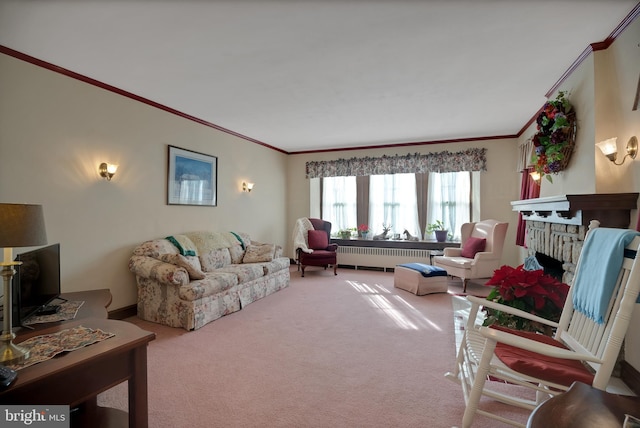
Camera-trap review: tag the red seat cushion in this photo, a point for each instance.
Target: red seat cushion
(558, 370)
(472, 246)
(318, 258)
(318, 239)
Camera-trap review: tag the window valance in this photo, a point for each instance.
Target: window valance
(466, 160)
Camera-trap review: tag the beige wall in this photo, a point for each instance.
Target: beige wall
(500, 184)
(55, 131)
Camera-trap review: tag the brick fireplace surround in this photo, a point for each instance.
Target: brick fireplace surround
(556, 227)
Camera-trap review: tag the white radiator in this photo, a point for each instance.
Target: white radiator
(380, 257)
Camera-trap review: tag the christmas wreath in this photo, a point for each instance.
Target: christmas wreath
(555, 139)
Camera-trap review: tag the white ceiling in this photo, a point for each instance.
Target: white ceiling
(303, 75)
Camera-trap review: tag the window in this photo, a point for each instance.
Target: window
(392, 201)
(339, 203)
(449, 200)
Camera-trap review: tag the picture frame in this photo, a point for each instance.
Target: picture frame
(192, 178)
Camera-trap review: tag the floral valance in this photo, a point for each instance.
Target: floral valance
(466, 160)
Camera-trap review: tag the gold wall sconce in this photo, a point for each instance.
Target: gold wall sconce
(107, 170)
(610, 149)
(535, 176)
(247, 187)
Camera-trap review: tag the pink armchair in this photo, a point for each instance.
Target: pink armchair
(479, 254)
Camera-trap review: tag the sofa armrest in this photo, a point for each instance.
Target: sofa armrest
(484, 256)
(452, 252)
(332, 247)
(164, 273)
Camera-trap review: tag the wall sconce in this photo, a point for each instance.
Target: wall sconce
(107, 170)
(610, 149)
(535, 176)
(247, 187)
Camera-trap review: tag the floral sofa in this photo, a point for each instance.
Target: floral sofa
(192, 279)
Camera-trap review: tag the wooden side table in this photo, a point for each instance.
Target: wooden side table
(584, 406)
(76, 378)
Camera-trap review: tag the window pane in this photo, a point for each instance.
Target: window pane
(392, 201)
(449, 200)
(339, 202)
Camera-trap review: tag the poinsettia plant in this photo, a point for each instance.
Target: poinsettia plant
(531, 291)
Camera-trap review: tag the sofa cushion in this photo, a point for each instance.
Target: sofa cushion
(237, 254)
(472, 246)
(318, 239)
(259, 253)
(278, 263)
(215, 259)
(213, 283)
(190, 263)
(244, 272)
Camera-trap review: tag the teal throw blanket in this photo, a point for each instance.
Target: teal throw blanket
(184, 244)
(600, 262)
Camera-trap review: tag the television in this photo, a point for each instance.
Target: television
(36, 283)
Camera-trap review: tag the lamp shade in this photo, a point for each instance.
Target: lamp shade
(608, 147)
(21, 226)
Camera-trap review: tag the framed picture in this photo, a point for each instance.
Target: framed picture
(192, 178)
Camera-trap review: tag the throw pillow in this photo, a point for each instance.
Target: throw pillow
(259, 253)
(237, 253)
(472, 246)
(215, 259)
(318, 239)
(190, 263)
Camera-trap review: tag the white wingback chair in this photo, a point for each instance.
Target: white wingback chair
(484, 262)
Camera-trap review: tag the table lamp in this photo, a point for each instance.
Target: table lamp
(20, 226)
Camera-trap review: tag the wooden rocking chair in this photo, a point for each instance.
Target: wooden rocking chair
(585, 346)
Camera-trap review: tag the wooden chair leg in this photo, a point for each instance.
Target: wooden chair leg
(464, 285)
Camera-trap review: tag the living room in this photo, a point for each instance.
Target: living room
(55, 129)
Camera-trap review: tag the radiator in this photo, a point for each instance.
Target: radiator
(380, 257)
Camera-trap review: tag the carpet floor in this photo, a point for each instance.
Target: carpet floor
(328, 351)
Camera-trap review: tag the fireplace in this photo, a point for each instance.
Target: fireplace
(551, 266)
(556, 226)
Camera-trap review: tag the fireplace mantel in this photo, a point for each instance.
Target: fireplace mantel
(610, 209)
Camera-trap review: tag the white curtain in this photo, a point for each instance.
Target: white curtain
(392, 201)
(449, 199)
(339, 203)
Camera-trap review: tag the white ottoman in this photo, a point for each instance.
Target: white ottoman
(420, 279)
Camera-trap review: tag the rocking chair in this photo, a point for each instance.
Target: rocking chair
(587, 340)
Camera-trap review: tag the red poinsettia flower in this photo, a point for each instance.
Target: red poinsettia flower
(530, 290)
